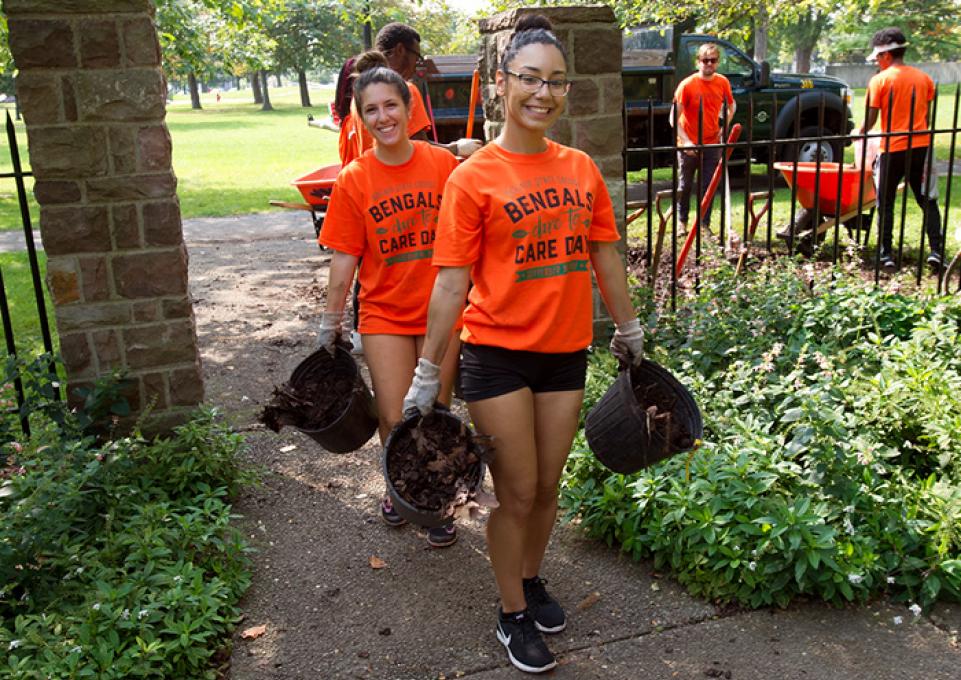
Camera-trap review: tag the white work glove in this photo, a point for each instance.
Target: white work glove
(464, 147)
(424, 388)
(330, 330)
(628, 342)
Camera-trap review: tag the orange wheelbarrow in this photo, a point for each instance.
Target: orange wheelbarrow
(315, 187)
(856, 195)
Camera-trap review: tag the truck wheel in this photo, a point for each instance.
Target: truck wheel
(807, 152)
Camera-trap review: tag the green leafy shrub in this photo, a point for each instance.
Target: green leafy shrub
(117, 559)
(832, 459)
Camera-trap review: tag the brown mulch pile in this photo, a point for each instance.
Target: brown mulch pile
(435, 464)
(314, 400)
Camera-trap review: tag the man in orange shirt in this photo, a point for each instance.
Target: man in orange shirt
(705, 89)
(890, 95)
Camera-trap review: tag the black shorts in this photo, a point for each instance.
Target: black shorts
(487, 372)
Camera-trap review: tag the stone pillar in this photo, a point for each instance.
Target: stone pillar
(593, 119)
(93, 97)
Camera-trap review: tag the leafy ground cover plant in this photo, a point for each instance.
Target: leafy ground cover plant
(116, 558)
(832, 459)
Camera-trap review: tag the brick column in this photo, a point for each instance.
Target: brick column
(93, 97)
(592, 120)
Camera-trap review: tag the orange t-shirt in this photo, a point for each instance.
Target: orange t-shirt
(893, 86)
(524, 222)
(347, 144)
(387, 214)
(694, 90)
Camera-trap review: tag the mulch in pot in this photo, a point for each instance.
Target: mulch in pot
(313, 402)
(435, 465)
(664, 425)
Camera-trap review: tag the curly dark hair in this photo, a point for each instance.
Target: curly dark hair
(394, 34)
(531, 29)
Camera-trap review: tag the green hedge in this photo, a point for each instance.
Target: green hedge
(116, 558)
(832, 458)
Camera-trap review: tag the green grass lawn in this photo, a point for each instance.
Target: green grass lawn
(230, 157)
(18, 285)
(233, 158)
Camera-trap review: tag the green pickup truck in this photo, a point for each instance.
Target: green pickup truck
(785, 105)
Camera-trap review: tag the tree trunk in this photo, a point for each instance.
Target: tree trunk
(236, 82)
(255, 85)
(802, 58)
(762, 24)
(194, 91)
(304, 93)
(263, 86)
(279, 84)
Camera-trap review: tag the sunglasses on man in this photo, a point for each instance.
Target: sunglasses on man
(709, 60)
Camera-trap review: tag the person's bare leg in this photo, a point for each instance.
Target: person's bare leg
(555, 423)
(391, 360)
(509, 419)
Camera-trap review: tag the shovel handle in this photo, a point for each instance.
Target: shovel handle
(474, 93)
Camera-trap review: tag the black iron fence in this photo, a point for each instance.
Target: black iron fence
(829, 201)
(18, 175)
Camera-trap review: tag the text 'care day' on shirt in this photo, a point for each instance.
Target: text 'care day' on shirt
(892, 88)
(524, 222)
(695, 91)
(347, 144)
(387, 214)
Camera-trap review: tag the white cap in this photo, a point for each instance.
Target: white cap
(878, 49)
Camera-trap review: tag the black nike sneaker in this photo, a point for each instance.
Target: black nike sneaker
(524, 643)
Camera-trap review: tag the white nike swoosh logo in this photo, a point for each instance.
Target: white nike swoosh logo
(508, 641)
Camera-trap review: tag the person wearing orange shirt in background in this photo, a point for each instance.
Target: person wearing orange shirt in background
(401, 45)
(901, 155)
(525, 220)
(383, 213)
(708, 89)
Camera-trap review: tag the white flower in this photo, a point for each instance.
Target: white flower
(142, 613)
(898, 620)
(915, 609)
(79, 570)
(178, 578)
(855, 578)
(849, 508)
(848, 526)
(76, 649)
(125, 614)
(752, 565)
(96, 606)
(15, 643)
(890, 579)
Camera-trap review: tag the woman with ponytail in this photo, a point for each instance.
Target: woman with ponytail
(525, 220)
(383, 214)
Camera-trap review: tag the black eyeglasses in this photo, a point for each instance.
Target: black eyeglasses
(532, 84)
(711, 60)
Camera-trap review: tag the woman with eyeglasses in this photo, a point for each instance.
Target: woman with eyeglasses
(526, 220)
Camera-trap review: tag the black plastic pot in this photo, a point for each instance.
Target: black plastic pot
(616, 427)
(358, 421)
(412, 513)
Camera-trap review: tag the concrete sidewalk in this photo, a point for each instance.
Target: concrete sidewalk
(258, 283)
